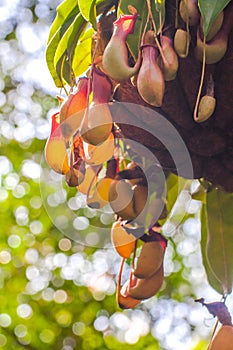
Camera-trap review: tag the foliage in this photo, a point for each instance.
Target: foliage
(65, 34)
(210, 11)
(219, 223)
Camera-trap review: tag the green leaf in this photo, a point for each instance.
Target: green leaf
(53, 44)
(88, 10)
(64, 71)
(82, 53)
(213, 281)
(67, 44)
(174, 185)
(64, 34)
(219, 207)
(209, 10)
(102, 5)
(64, 10)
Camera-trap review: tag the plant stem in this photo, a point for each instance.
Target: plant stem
(119, 275)
(201, 81)
(134, 254)
(155, 31)
(176, 15)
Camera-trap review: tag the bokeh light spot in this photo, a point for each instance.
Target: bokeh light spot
(14, 241)
(78, 328)
(101, 323)
(47, 336)
(3, 340)
(5, 165)
(81, 223)
(31, 169)
(64, 244)
(24, 311)
(5, 320)
(60, 296)
(20, 330)
(5, 257)
(64, 317)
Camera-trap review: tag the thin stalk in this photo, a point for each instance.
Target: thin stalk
(134, 254)
(71, 151)
(195, 116)
(155, 30)
(160, 21)
(144, 30)
(131, 279)
(214, 330)
(60, 76)
(188, 32)
(177, 15)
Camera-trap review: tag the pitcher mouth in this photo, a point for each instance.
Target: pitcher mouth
(127, 21)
